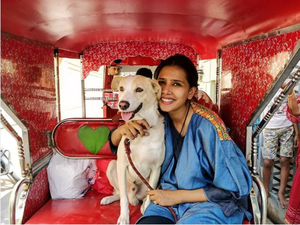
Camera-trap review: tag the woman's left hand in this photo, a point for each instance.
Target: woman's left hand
(164, 197)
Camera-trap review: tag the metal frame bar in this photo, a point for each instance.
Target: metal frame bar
(13, 200)
(7, 156)
(40, 164)
(19, 143)
(57, 84)
(82, 88)
(8, 108)
(262, 207)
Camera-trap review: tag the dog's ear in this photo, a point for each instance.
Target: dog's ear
(156, 88)
(115, 82)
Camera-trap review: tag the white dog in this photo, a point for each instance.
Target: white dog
(138, 99)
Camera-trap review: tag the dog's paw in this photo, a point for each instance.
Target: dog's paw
(123, 220)
(108, 200)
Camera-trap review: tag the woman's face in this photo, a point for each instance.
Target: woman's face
(175, 89)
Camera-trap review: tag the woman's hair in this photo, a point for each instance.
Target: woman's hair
(184, 63)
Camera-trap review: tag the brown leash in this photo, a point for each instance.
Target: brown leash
(116, 117)
(128, 152)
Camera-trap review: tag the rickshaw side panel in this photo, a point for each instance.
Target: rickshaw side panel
(38, 195)
(248, 70)
(27, 82)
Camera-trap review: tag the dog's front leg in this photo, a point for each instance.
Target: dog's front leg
(124, 214)
(111, 173)
(153, 180)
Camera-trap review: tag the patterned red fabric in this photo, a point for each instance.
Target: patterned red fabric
(104, 53)
(248, 70)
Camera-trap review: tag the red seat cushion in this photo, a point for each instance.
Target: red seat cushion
(86, 210)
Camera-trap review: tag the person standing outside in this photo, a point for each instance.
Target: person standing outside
(281, 135)
(113, 70)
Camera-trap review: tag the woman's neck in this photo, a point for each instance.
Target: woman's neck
(181, 118)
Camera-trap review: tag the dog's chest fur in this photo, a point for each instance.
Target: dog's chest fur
(145, 151)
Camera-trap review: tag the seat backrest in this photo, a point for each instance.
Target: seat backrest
(84, 137)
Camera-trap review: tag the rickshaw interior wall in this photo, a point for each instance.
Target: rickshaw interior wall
(248, 71)
(27, 82)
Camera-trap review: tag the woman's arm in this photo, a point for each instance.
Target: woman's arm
(174, 197)
(224, 199)
(131, 129)
(293, 105)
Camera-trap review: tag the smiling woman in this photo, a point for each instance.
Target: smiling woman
(194, 136)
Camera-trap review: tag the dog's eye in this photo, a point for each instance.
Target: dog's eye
(121, 88)
(139, 89)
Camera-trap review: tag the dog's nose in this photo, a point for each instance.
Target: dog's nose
(124, 105)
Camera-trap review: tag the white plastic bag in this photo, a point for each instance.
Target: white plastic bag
(70, 178)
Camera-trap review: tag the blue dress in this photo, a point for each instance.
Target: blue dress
(209, 159)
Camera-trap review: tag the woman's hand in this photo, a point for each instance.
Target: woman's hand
(164, 197)
(134, 128)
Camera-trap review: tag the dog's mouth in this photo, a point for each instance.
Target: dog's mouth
(129, 115)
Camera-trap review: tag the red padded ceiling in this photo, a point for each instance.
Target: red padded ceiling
(203, 24)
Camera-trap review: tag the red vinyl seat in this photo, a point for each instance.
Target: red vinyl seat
(85, 210)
